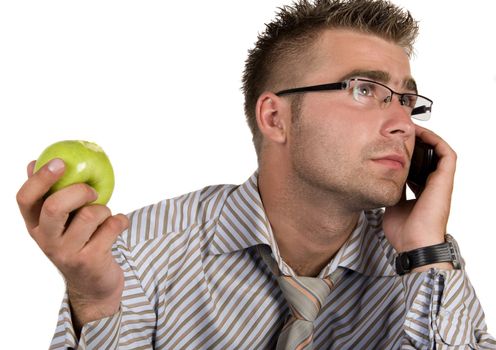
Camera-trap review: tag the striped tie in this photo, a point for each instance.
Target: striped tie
(305, 296)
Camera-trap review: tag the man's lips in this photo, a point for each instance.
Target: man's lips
(395, 161)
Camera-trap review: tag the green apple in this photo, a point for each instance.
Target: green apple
(85, 162)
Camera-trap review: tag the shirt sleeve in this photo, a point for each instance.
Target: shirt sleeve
(133, 326)
(443, 312)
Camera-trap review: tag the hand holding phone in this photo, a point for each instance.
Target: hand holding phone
(421, 222)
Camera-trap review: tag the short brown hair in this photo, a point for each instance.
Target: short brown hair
(286, 41)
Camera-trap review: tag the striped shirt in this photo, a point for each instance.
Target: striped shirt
(194, 279)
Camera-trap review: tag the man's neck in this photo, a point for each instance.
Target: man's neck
(309, 229)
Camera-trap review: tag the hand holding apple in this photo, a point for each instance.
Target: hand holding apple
(85, 162)
(80, 247)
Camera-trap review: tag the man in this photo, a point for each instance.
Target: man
(301, 255)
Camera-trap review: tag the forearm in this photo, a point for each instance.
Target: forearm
(443, 312)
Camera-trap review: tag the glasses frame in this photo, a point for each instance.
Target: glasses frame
(344, 85)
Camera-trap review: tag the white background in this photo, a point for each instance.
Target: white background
(157, 85)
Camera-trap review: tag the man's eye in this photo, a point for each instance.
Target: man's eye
(365, 90)
(408, 100)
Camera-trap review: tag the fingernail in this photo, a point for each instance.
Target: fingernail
(55, 165)
(95, 194)
(124, 221)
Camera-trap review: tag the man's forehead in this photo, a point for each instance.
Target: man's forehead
(351, 54)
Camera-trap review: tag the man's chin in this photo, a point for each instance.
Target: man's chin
(386, 196)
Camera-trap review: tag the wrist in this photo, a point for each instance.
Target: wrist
(83, 312)
(444, 256)
(85, 309)
(412, 245)
(439, 266)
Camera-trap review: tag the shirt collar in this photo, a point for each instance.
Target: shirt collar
(242, 223)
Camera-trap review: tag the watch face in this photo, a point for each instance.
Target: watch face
(402, 264)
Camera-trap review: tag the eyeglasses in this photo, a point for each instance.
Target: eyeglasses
(372, 94)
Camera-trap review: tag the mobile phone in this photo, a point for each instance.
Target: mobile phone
(424, 161)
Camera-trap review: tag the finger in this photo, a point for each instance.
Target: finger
(30, 169)
(428, 136)
(435, 140)
(446, 154)
(103, 239)
(30, 195)
(84, 224)
(58, 206)
(439, 186)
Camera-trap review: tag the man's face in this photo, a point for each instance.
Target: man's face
(359, 153)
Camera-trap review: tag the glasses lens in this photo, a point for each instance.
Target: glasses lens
(372, 94)
(422, 109)
(408, 100)
(369, 92)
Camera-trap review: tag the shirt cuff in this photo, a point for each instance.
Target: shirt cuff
(99, 334)
(436, 310)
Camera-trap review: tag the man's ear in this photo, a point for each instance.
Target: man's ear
(273, 114)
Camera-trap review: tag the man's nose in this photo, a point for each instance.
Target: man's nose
(398, 120)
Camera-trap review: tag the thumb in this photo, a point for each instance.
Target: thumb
(30, 168)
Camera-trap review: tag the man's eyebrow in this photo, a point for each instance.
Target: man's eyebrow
(411, 85)
(379, 76)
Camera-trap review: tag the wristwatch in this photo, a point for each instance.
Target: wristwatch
(443, 252)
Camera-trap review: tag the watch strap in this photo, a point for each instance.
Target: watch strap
(443, 252)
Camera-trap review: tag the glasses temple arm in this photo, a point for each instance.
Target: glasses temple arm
(421, 109)
(322, 87)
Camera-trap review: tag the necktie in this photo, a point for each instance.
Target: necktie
(305, 297)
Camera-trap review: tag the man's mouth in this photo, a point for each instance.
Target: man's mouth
(393, 160)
